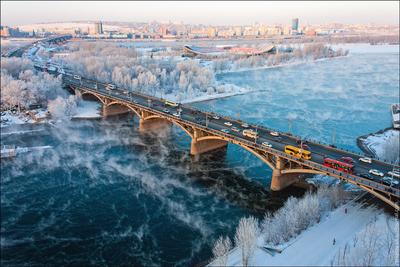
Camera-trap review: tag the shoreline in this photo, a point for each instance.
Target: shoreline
(290, 64)
(361, 142)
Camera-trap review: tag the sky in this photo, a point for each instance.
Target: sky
(14, 13)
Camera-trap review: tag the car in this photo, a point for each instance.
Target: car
(126, 92)
(348, 160)
(235, 129)
(273, 133)
(176, 114)
(305, 146)
(366, 175)
(135, 101)
(394, 173)
(376, 172)
(366, 160)
(225, 131)
(228, 123)
(215, 117)
(166, 110)
(390, 181)
(245, 125)
(266, 144)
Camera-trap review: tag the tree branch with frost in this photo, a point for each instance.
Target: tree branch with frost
(246, 238)
(221, 251)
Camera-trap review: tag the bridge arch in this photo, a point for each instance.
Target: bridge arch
(254, 152)
(124, 105)
(101, 99)
(191, 135)
(153, 117)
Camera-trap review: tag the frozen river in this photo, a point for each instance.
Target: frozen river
(108, 195)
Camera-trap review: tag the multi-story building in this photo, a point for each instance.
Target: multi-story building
(295, 24)
(98, 28)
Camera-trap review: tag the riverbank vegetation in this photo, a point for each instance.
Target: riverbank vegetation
(376, 243)
(169, 76)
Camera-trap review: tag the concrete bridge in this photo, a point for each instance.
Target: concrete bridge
(19, 51)
(208, 132)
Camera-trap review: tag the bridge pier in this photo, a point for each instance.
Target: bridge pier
(198, 147)
(279, 180)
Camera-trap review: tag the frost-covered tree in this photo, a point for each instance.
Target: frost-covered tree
(62, 108)
(221, 251)
(246, 238)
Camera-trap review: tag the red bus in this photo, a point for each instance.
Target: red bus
(338, 165)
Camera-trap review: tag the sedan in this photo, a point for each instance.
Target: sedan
(366, 175)
(348, 160)
(166, 110)
(176, 115)
(304, 146)
(245, 125)
(215, 117)
(235, 129)
(273, 133)
(389, 181)
(376, 172)
(225, 131)
(266, 144)
(228, 123)
(366, 160)
(394, 173)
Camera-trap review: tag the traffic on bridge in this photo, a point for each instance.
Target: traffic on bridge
(285, 153)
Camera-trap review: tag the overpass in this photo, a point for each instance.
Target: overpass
(19, 51)
(208, 131)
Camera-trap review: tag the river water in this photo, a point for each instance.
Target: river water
(108, 195)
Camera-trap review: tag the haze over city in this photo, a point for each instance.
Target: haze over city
(208, 13)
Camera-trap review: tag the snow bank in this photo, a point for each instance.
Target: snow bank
(383, 145)
(9, 118)
(314, 246)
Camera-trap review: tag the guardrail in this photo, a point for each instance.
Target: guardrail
(310, 164)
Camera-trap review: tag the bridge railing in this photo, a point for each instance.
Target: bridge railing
(258, 126)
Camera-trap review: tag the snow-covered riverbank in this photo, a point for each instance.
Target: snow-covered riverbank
(384, 144)
(348, 228)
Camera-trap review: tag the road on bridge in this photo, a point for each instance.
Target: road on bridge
(319, 151)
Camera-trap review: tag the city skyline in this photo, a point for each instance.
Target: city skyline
(217, 13)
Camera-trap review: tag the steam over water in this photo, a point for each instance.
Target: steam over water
(108, 195)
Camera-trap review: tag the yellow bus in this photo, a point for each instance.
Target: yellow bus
(298, 152)
(250, 133)
(170, 103)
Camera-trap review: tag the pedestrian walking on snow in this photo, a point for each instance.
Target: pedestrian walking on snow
(334, 241)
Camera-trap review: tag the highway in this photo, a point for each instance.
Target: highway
(204, 119)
